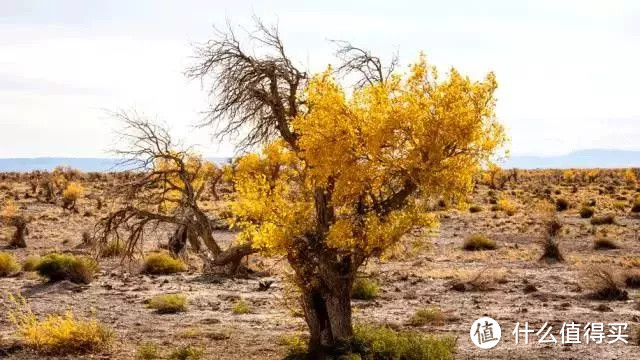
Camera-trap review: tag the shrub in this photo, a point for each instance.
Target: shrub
(427, 315)
(562, 204)
(604, 244)
(586, 212)
(162, 263)
(188, 352)
(240, 307)
(59, 334)
(169, 303)
(364, 289)
(605, 285)
(603, 220)
(550, 248)
(478, 242)
(507, 206)
(8, 264)
(636, 206)
(147, 351)
(620, 205)
(380, 342)
(475, 208)
(30, 263)
(632, 280)
(57, 267)
(112, 248)
(71, 194)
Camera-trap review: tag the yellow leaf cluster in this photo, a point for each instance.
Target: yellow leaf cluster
(365, 147)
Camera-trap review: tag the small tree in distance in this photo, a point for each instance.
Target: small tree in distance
(342, 177)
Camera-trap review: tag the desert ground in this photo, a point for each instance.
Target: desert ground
(509, 283)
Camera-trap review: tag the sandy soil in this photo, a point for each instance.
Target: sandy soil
(408, 281)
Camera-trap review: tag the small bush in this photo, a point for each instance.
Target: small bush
(603, 220)
(380, 342)
(188, 352)
(475, 208)
(605, 285)
(636, 206)
(162, 263)
(240, 307)
(364, 289)
(31, 263)
(59, 334)
(8, 264)
(633, 281)
(620, 205)
(562, 204)
(169, 303)
(586, 212)
(478, 242)
(71, 194)
(147, 351)
(57, 267)
(112, 248)
(425, 316)
(507, 206)
(604, 244)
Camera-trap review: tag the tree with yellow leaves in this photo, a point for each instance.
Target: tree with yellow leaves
(343, 175)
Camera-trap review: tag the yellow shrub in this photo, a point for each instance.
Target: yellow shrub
(507, 206)
(8, 264)
(630, 177)
(58, 334)
(162, 263)
(73, 191)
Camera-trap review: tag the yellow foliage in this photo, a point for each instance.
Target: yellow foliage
(9, 209)
(174, 186)
(414, 132)
(630, 177)
(569, 175)
(58, 334)
(72, 192)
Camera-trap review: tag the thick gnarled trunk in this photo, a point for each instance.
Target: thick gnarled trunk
(328, 315)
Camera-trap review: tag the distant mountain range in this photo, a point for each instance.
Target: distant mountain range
(578, 159)
(84, 164)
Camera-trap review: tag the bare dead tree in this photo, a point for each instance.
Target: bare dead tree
(361, 62)
(256, 93)
(169, 183)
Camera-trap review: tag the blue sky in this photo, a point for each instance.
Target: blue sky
(567, 70)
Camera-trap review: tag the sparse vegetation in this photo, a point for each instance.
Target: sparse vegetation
(478, 242)
(586, 212)
(59, 334)
(240, 307)
(57, 267)
(169, 303)
(364, 289)
(147, 351)
(603, 220)
(427, 316)
(8, 264)
(605, 284)
(188, 352)
(31, 263)
(162, 263)
(603, 243)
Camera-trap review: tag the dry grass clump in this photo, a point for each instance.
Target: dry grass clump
(112, 249)
(382, 342)
(188, 352)
(57, 267)
(550, 248)
(475, 208)
(604, 244)
(478, 242)
(147, 351)
(427, 316)
(507, 206)
(562, 204)
(162, 263)
(168, 304)
(586, 212)
(240, 307)
(8, 264)
(603, 220)
(632, 280)
(71, 194)
(58, 334)
(605, 284)
(364, 289)
(30, 263)
(482, 280)
(636, 206)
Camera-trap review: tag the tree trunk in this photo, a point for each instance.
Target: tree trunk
(18, 239)
(328, 315)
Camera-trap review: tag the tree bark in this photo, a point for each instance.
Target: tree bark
(328, 315)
